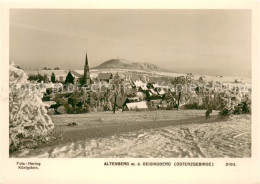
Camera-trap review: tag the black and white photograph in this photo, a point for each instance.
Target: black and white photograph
(130, 83)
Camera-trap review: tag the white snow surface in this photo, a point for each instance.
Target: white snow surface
(27, 114)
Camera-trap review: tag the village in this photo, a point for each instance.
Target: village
(72, 92)
(69, 105)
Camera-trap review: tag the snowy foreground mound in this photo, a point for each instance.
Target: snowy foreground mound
(29, 123)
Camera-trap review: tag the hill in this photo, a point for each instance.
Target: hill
(125, 64)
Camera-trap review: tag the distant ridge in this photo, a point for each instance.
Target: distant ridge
(125, 64)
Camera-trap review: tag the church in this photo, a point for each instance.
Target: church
(76, 78)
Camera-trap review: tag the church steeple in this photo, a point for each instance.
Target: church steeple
(86, 77)
(86, 61)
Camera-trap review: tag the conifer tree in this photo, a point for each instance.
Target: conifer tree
(53, 78)
(69, 79)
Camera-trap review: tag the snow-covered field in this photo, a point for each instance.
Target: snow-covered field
(94, 73)
(223, 79)
(223, 138)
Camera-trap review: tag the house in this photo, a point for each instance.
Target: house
(162, 92)
(133, 99)
(107, 77)
(139, 83)
(155, 86)
(137, 105)
(153, 92)
(120, 101)
(142, 88)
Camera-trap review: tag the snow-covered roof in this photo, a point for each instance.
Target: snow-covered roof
(76, 74)
(139, 105)
(139, 83)
(49, 103)
(156, 86)
(154, 92)
(133, 99)
(143, 87)
(162, 92)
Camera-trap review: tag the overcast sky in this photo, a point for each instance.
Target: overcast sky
(208, 42)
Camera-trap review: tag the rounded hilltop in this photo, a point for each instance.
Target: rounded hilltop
(126, 64)
(115, 63)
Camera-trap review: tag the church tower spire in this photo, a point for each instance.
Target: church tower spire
(86, 71)
(86, 60)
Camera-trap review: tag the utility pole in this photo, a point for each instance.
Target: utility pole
(114, 109)
(179, 101)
